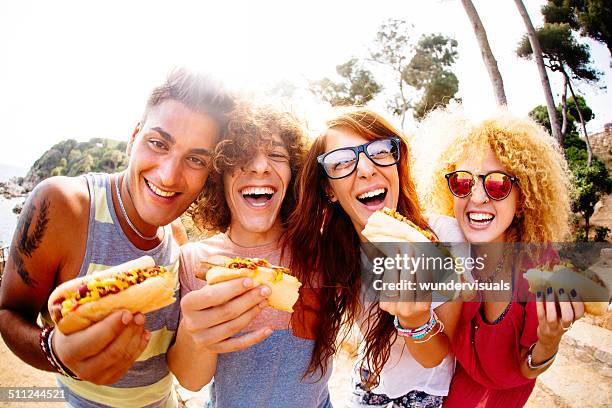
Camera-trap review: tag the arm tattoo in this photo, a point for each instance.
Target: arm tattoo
(26, 241)
(30, 242)
(22, 271)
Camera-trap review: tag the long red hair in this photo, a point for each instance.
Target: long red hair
(325, 248)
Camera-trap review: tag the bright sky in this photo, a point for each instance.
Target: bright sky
(75, 69)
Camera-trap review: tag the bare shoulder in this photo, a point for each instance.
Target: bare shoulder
(67, 194)
(49, 239)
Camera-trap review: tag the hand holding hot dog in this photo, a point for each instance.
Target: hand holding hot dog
(214, 314)
(105, 351)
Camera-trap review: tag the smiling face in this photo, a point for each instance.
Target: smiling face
(483, 221)
(168, 165)
(368, 188)
(255, 192)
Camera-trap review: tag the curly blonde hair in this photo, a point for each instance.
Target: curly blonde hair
(251, 127)
(526, 151)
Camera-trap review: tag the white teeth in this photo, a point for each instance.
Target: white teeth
(480, 217)
(257, 190)
(371, 193)
(159, 191)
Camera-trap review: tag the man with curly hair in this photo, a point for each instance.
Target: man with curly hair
(245, 205)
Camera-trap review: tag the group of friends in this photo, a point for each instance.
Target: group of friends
(256, 186)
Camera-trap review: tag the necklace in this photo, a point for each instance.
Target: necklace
(498, 269)
(127, 219)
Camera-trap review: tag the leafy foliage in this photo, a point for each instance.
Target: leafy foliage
(540, 115)
(392, 47)
(358, 86)
(601, 234)
(418, 71)
(72, 158)
(428, 71)
(590, 183)
(592, 17)
(562, 51)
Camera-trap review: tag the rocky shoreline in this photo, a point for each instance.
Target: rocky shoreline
(15, 187)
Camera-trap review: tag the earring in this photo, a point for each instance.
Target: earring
(331, 199)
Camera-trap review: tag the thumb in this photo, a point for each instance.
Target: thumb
(92, 340)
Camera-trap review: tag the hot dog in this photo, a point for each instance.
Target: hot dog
(138, 286)
(587, 284)
(388, 225)
(285, 288)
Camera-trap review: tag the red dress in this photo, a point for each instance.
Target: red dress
(488, 370)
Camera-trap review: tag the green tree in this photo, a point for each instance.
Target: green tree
(428, 71)
(593, 18)
(562, 53)
(73, 158)
(85, 165)
(591, 183)
(392, 48)
(422, 67)
(111, 160)
(358, 86)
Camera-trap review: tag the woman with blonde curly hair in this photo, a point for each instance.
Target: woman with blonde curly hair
(505, 180)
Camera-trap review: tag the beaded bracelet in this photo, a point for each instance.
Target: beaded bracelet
(440, 330)
(46, 338)
(419, 332)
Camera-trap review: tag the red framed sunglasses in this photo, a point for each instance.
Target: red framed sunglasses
(497, 185)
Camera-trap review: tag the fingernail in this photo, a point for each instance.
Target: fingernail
(268, 332)
(139, 319)
(573, 293)
(147, 336)
(265, 291)
(539, 294)
(126, 317)
(247, 282)
(549, 291)
(561, 291)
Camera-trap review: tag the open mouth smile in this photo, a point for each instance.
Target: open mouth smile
(258, 197)
(480, 219)
(373, 198)
(158, 191)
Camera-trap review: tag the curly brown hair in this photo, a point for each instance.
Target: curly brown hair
(250, 128)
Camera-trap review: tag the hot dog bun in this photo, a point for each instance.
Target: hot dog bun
(386, 225)
(151, 294)
(586, 283)
(390, 226)
(284, 287)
